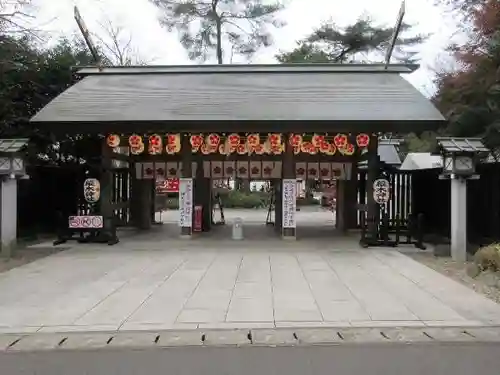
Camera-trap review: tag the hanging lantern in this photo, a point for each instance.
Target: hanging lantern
(213, 140)
(348, 149)
(295, 140)
(340, 140)
(135, 140)
(196, 141)
(324, 147)
(136, 150)
(173, 139)
(233, 139)
(91, 190)
(155, 144)
(274, 139)
(113, 140)
(317, 139)
(253, 140)
(362, 140)
(242, 149)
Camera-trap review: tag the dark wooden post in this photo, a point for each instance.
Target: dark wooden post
(351, 197)
(105, 201)
(186, 188)
(278, 205)
(288, 174)
(203, 195)
(373, 174)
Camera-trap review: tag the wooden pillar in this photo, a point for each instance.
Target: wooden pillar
(278, 205)
(373, 174)
(140, 202)
(186, 189)
(106, 181)
(351, 198)
(340, 205)
(288, 203)
(203, 196)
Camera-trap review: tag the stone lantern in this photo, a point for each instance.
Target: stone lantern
(460, 156)
(12, 168)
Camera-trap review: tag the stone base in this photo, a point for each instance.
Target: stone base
(289, 234)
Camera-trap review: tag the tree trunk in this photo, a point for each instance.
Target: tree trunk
(219, 42)
(218, 24)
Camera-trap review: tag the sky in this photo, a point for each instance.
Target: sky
(156, 45)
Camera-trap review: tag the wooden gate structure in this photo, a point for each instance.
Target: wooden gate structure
(198, 123)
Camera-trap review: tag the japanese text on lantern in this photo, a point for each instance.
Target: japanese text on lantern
(186, 202)
(381, 191)
(289, 202)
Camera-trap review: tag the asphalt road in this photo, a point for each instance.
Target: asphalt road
(360, 359)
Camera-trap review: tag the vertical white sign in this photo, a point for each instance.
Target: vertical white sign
(289, 202)
(186, 202)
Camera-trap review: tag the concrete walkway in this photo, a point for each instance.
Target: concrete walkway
(144, 283)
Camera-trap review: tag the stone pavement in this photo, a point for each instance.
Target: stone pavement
(150, 283)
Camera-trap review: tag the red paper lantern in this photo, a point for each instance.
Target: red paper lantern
(253, 140)
(196, 141)
(362, 140)
(274, 139)
(135, 140)
(317, 140)
(233, 139)
(213, 140)
(340, 140)
(295, 140)
(113, 140)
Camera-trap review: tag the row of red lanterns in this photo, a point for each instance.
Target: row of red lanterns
(235, 143)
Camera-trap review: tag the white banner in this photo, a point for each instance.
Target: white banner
(289, 202)
(186, 202)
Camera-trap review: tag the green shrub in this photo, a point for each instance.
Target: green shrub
(239, 199)
(487, 258)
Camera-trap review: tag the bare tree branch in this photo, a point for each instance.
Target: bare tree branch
(117, 44)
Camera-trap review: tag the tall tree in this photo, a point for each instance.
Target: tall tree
(362, 41)
(207, 26)
(470, 96)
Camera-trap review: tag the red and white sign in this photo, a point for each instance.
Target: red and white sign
(169, 185)
(85, 222)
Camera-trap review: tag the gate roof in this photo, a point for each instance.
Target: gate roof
(321, 97)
